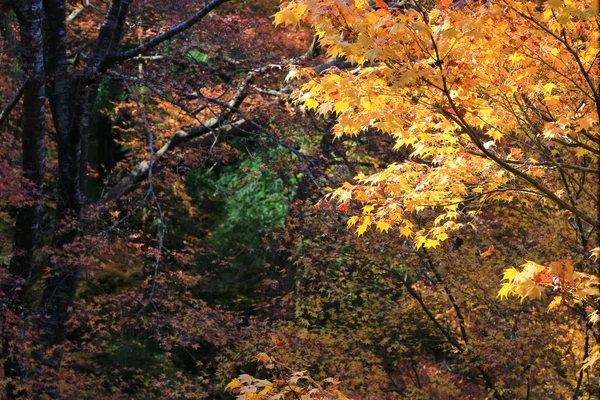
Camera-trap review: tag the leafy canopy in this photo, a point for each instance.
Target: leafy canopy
(489, 102)
(494, 102)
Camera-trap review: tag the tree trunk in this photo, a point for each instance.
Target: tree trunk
(72, 123)
(25, 239)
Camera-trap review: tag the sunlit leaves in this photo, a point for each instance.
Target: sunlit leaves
(391, 200)
(595, 254)
(510, 274)
(497, 72)
(293, 385)
(366, 222)
(383, 225)
(592, 358)
(560, 276)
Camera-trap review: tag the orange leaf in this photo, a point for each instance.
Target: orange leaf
(263, 357)
(488, 252)
(276, 341)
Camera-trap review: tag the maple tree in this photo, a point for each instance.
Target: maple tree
(496, 102)
(479, 118)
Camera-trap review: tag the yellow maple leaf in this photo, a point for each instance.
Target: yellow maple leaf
(594, 317)
(235, 383)
(383, 226)
(311, 104)
(431, 243)
(595, 254)
(592, 358)
(263, 357)
(548, 88)
(341, 106)
(506, 289)
(555, 302)
(420, 241)
(510, 274)
(366, 222)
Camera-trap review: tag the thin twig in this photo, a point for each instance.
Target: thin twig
(161, 217)
(12, 103)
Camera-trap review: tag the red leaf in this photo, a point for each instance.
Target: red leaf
(488, 252)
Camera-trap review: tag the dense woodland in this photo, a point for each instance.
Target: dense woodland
(304, 199)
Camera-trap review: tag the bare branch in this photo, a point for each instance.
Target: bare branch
(202, 136)
(77, 11)
(339, 63)
(155, 41)
(11, 104)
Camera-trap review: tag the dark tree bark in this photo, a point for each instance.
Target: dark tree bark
(25, 240)
(30, 16)
(55, 48)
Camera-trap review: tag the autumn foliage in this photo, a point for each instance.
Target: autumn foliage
(495, 103)
(307, 199)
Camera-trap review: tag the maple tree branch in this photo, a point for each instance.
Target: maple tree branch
(575, 143)
(541, 147)
(456, 117)
(77, 11)
(203, 135)
(11, 104)
(154, 89)
(341, 64)
(415, 295)
(119, 27)
(544, 164)
(161, 217)
(414, 369)
(110, 32)
(591, 137)
(459, 119)
(124, 55)
(557, 71)
(485, 375)
(427, 260)
(284, 94)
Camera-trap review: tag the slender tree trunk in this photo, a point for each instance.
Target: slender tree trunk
(61, 283)
(25, 239)
(58, 87)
